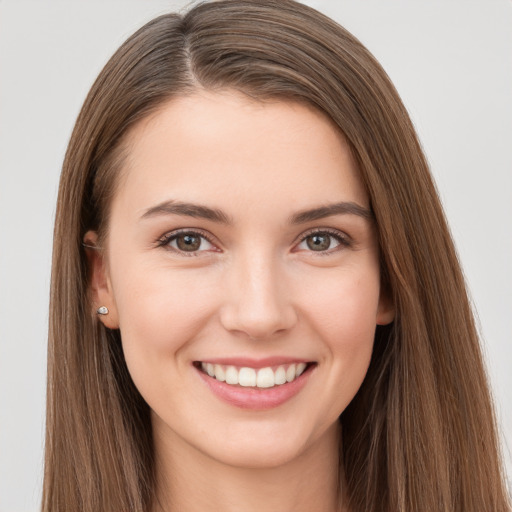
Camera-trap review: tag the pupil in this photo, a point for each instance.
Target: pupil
(188, 242)
(319, 242)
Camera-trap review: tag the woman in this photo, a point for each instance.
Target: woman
(257, 302)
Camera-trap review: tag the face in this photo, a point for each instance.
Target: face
(241, 267)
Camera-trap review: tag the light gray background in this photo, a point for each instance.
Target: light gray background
(451, 62)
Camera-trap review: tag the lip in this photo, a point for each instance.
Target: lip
(255, 398)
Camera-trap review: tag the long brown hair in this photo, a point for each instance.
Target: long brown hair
(420, 434)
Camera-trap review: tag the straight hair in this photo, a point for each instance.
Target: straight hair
(420, 434)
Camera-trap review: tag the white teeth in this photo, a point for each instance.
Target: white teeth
(231, 375)
(280, 376)
(249, 377)
(300, 369)
(220, 374)
(265, 378)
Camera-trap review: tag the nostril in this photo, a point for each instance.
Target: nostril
(258, 324)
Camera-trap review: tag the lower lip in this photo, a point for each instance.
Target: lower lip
(256, 398)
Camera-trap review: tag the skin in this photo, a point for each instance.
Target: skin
(256, 289)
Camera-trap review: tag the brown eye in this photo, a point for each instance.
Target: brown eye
(323, 242)
(319, 242)
(188, 242)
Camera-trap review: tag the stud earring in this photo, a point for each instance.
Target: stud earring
(103, 310)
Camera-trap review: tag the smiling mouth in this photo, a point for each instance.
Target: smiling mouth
(268, 377)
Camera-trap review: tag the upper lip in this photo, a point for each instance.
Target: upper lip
(254, 363)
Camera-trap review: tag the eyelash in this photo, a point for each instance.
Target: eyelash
(165, 240)
(343, 240)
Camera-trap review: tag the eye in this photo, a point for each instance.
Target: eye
(323, 241)
(191, 242)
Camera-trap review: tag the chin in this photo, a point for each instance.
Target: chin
(257, 455)
(265, 446)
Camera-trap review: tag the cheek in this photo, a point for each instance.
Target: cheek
(344, 305)
(343, 317)
(160, 312)
(161, 309)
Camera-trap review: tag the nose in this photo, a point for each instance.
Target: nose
(258, 301)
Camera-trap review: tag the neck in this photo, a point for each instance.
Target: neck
(191, 481)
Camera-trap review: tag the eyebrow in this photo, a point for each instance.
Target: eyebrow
(342, 208)
(198, 211)
(188, 209)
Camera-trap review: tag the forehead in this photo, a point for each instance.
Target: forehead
(223, 147)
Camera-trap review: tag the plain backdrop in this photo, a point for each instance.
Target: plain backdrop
(451, 62)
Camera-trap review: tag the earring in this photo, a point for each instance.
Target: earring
(103, 310)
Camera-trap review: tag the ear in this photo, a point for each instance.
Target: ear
(100, 287)
(386, 308)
